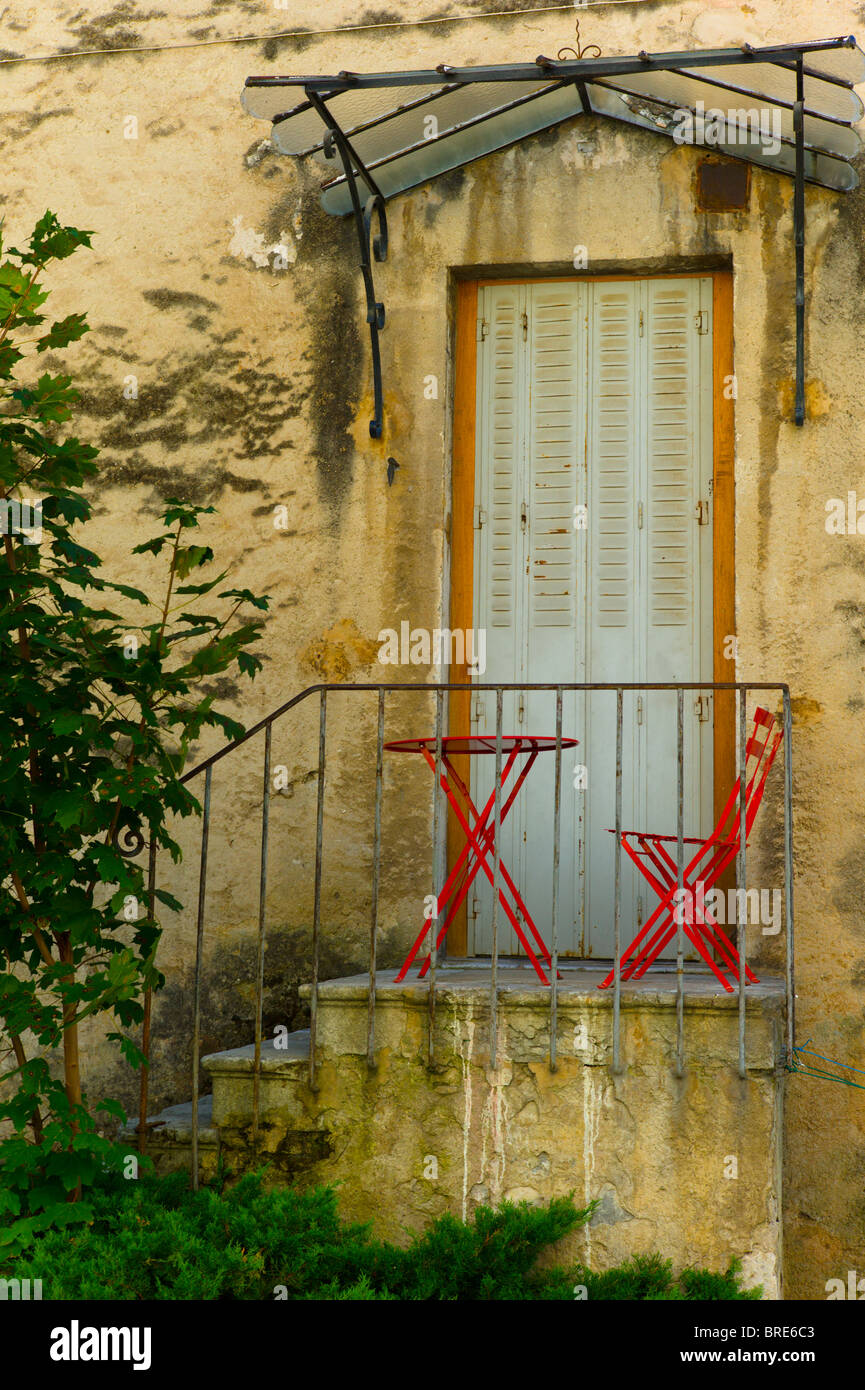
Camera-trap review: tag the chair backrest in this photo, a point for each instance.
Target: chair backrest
(760, 750)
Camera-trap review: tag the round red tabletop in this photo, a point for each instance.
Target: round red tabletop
(454, 744)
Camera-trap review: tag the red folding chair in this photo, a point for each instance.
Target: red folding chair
(658, 866)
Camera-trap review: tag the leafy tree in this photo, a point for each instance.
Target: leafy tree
(99, 708)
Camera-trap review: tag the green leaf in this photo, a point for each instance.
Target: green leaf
(191, 557)
(52, 241)
(64, 332)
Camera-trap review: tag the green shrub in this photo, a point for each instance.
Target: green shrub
(650, 1278)
(155, 1239)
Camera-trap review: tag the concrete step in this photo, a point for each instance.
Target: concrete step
(174, 1123)
(169, 1137)
(284, 1064)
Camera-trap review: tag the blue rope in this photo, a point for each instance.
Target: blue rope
(810, 1070)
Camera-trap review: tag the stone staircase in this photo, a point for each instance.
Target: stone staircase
(407, 1139)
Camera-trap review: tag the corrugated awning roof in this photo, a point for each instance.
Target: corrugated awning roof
(407, 127)
(789, 108)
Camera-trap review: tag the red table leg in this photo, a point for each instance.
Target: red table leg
(480, 841)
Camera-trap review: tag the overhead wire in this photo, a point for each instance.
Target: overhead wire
(72, 53)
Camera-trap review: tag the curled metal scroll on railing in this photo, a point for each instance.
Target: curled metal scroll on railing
(128, 840)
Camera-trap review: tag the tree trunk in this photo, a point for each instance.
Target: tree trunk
(71, 1060)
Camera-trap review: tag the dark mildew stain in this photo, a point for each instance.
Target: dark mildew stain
(851, 223)
(223, 688)
(241, 409)
(848, 892)
(380, 17)
(207, 413)
(159, 129)
(113, 29)
(854, 614)
(329, 286)
(177, 299)
(171, 481)
(228, 1018)
(775, 355)
(23, 123)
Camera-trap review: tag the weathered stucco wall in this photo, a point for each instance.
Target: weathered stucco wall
(254, 390)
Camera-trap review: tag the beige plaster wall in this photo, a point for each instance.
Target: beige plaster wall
(254, 390)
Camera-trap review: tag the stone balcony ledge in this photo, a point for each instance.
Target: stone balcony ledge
(519, 987)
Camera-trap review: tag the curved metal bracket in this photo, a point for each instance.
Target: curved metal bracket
(372, 247)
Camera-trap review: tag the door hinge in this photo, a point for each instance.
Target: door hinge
(524, 515)
(639, 516)
(702, 707)
(641, 323)
(483, 329)
(639, 709)
(477, 709)
(524, 319)
(701, 511)
(701, 321)
(521, 709)
(480, 517)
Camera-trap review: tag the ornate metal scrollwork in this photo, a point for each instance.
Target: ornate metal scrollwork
(128, 840)
(591, 50)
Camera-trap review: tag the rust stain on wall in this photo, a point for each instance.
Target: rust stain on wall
(339, 652)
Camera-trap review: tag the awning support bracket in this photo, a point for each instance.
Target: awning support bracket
(372, 206)
(799, 238)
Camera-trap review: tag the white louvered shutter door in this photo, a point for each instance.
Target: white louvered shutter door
(678, 548)
(614, 451)
(555, 566)
(602, 396)
(499, 583)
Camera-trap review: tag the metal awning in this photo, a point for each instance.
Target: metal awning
(790, 107)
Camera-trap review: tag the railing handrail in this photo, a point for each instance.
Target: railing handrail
(432, 686)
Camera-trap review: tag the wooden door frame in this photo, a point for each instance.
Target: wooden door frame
(723, 520)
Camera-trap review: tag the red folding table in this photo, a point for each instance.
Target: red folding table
(478, 852)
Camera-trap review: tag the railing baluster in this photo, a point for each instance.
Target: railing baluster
(316, 911)
(494, 971)
(376, 874)
(434, 920)
(617, 913)
(680, 875)
(790, 979)
(262, 913)
(199, 941)
(741, 925)
(557, 827)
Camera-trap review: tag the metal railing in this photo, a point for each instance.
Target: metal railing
(440, 690)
